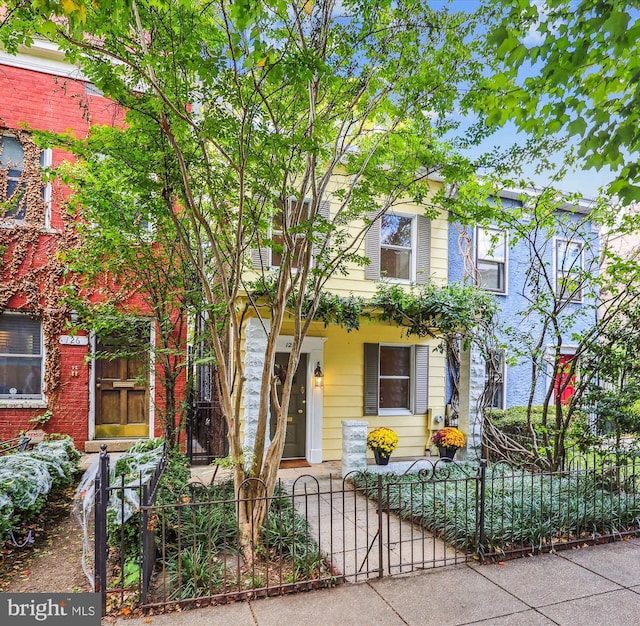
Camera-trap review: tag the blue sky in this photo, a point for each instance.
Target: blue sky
(586, 182)
(583, 181)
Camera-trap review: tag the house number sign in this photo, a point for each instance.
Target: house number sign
(74, 340)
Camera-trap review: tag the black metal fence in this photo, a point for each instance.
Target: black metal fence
(322, 531)
(206, 433)
(115, 574)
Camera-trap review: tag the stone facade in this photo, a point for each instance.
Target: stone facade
(354, 446)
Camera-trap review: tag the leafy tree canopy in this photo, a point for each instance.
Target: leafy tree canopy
(571, 68)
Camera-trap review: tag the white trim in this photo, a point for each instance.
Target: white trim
(152, 377)
(505, 233)
(91, 434)
(549, 354)
(411, 377)
(314, 348)
(42, 57)
(20, 402)
(152, 380)
(570, 241)
(413, 249)
(505, 369)
(47, 159)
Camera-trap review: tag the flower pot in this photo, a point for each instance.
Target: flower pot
(447, 453)
(381, 458)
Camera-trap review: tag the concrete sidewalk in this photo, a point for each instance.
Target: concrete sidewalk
(589, 586)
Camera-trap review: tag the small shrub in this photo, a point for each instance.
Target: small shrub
(288, 535)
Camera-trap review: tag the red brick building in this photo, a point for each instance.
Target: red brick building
(45, 361)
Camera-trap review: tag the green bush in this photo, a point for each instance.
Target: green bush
(194, 572)
(143, 457)
(514, 419)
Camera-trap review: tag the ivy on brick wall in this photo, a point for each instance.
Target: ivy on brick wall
(31, 271)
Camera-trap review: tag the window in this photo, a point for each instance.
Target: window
(20, 357)
(398, 248)
(396, 379)
(277, 234)
(569, 265)
(491, 259)
(14, 164)
(264, 258)
(496, 370)
(396, 239)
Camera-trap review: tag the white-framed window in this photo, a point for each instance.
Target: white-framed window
(278, 228)
(13, 199)
(395, 379)
(271, 257)
(497, 400)
(569, 258)
(21, 357)
(491, 259)
(397, 244)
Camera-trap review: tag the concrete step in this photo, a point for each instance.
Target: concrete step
(113, 445)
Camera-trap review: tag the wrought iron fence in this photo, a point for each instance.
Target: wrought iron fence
(111, 573)
(323, 531)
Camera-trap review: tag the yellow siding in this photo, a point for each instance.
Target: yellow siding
(343, 389)
(344, 354)
(354, 281)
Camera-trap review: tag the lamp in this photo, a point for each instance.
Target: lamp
(317, 373)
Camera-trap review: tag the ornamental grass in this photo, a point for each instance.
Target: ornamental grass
(523, 510)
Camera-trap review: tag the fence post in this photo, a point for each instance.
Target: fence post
(480, 548)
(380, 526)
(144, 502)
(100, 525)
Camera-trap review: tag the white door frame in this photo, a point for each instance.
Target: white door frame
(152, 383)
(313, 347)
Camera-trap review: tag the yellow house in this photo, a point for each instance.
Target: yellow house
(376, 373)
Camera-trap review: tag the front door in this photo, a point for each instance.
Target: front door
(122, 390)
(563, 384)
(295, 440)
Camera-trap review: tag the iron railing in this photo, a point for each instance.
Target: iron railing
(323, 531)
(112, 575)
(206, 433)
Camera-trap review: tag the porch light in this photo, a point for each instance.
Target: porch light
(318, 375)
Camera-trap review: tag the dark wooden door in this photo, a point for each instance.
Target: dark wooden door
(122, 392)
(295, 440)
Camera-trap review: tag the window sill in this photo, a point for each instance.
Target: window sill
(399, 412)
(17, 403)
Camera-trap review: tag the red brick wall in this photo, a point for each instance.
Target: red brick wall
(48, 102)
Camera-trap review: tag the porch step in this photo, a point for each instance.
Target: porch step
(113, 445)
